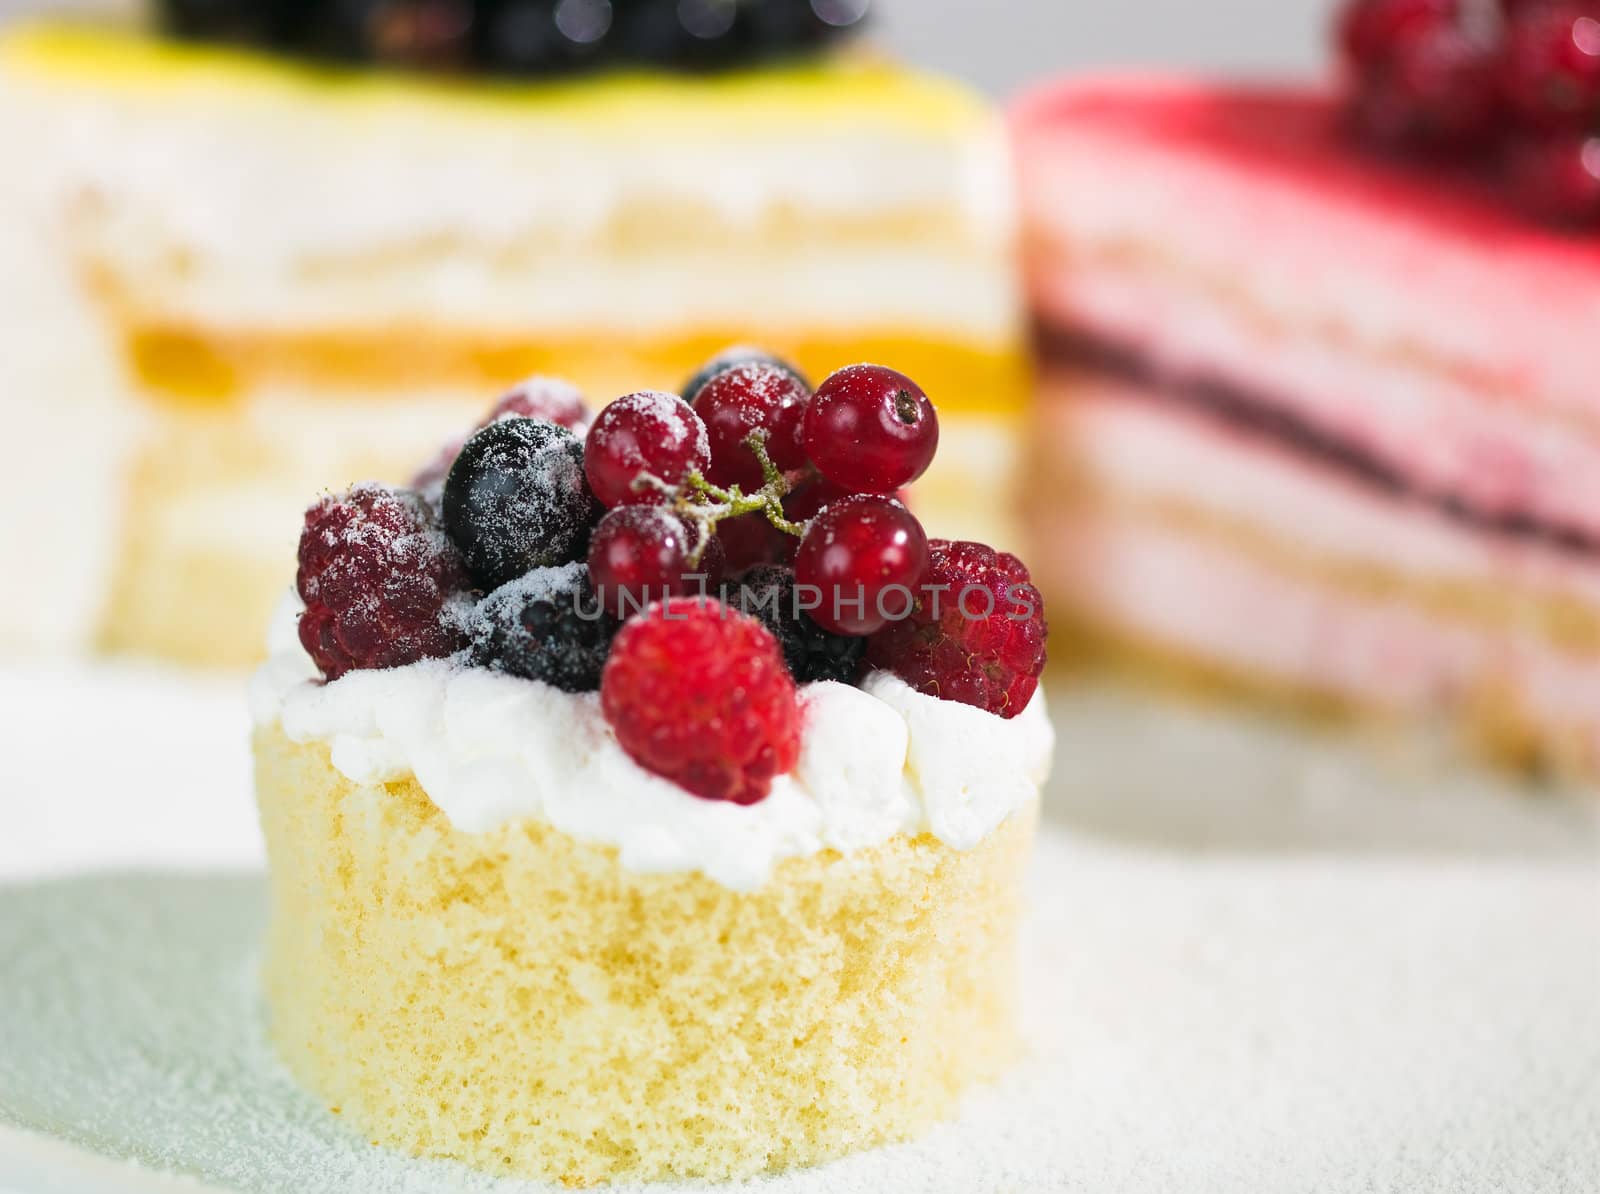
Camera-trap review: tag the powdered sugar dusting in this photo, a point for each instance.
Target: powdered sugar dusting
(1249, 1041)
(663, 414)
(542, 584)
(375, 571)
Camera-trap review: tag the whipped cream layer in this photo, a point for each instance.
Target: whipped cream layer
(490, 749)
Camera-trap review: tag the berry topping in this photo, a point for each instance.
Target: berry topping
(429, 479)
(870, 429)
(745, 399)
(522, 36)
(1432, 84)
(640, 554)
(699, 694)
(1557, 178)
(977, 634)
(750, 539)
(866, 555)
(1521, 89)
(1369, 31)
(768, 594)
(547, 398)
(650, 432)
(378, 578)
(809, 499)
(1551, 73)
(546, 626)
(741, 354)
(516, 500)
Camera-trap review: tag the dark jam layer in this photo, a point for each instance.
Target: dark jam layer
(1254, 413)
(522, 37)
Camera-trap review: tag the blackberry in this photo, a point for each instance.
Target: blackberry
(767, 593)
(516, 499)
(380, 582)
(546, 626)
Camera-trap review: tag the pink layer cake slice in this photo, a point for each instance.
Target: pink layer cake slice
(1318, 420)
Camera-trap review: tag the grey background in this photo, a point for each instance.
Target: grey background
(1004, 44)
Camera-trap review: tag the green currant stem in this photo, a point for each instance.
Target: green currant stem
(705, 505)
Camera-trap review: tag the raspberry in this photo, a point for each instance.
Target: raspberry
(516, 499)
(377, 576)
(546, 626)
(767, 593)
(648, 432)
(977, 635)
(870, 429)
(699, 694)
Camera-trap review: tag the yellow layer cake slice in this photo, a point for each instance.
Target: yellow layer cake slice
(240, 279)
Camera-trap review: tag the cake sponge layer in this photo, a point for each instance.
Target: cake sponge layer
(518, 1001)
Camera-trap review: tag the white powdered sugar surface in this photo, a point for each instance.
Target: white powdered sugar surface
(1255, 1025)
(1277, 964)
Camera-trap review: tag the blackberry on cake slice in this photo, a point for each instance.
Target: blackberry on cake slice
(545, 625)
(769, 593)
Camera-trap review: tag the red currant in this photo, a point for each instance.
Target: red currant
(640, 554)
(807, 501)
(1557, 177)
(1437, 90)
(866, 555)
(544, 398)
(751, 539)
(747, 398)
(1369, 30)
(1551, 72)
(870, 429)
(648, 432)
(739, 354)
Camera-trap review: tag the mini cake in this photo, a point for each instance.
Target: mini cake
(231, 256)
(1317, 418)
(611, 840)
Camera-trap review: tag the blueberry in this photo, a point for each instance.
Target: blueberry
(516, 499)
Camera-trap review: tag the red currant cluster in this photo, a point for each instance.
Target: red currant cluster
(819, 469)
(583, 552)
(1515, 81)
